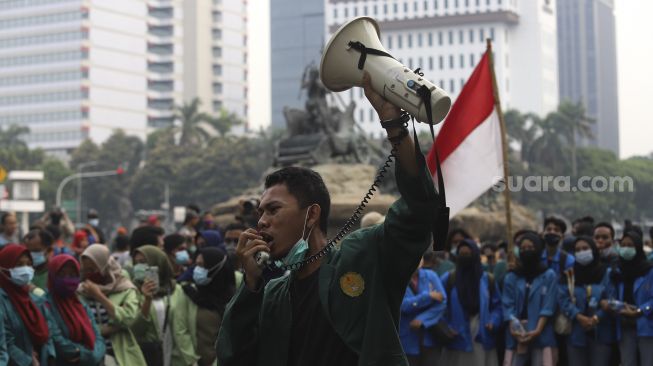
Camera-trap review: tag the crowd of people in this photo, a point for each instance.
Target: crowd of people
(579, 298)
(145, 298)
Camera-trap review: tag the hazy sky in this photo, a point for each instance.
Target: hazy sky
(635, 57)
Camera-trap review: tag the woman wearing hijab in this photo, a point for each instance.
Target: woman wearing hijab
(204, 239)
(635, 289)
(581, 292)
(474, 310)
(113, 300)
(27, 335)
(529, 300)
(158, 299)
(79, 342)
(200, 311)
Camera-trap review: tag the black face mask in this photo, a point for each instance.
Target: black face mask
(464, 261)
(529, 258)
(551, 239)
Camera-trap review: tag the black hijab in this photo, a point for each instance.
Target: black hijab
(468, 277)
(216, 294)
(593, 272)
(634, 268)
(534, 267)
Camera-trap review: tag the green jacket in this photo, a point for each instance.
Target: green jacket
(4, 355)
(66, 348)
(125, 346)
(18, 341)
(184, 331)
(378, 260)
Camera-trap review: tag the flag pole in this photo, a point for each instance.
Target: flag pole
(504, 145)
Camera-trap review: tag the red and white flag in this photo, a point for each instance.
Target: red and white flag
(469, 142)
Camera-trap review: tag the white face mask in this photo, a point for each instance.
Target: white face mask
(584, 257)
(94, 222)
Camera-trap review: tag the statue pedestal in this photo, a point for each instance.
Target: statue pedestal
(347, 185)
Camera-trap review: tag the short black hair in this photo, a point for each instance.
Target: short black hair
(172, 242)
(557, 222)
(54, 230)
(585, 229)
(235, 226)
(190, 215)
(121, 242)
(45, 237)
(306, 186)
(4, 217)
(145, 235)
(608, 225)
(193, 207)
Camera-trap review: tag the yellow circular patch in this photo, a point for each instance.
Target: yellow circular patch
(352, 284)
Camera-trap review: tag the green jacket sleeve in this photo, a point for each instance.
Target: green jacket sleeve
(4, 356)
(407, 228)
(145, 328)
(95, 356)
(48, 350)
(181, 329)
(239, 334)
(126, 308)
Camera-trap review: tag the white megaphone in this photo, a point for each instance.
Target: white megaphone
(355, 48)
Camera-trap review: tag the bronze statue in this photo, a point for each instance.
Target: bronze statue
(321, 133)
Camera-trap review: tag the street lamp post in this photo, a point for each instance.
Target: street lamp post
(84, 175)
(80, 169)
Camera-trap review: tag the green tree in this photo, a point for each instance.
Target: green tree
(225, 122)
(548, 148)
(520, 130)
(194, 124)
(574, 122)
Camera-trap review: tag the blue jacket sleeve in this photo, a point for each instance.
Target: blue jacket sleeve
(566, 304)
(415, 303)
(509, 297)
(16, 355)
(496, 317)
(550, 301)
(432, 315)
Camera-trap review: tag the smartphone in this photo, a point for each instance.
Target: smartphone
(152, 274)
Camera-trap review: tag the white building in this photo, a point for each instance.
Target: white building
(76, 69)
(446, 39)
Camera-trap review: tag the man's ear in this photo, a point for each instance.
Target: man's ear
(314, 213)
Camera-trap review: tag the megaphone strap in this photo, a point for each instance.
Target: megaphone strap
(401, 121)
(358, 46)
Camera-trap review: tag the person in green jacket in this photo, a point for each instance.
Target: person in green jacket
(199, 315)
(79, 340)
(28, 327)
(4, 356)
(157, 299)
(113, 300)
(341, 307)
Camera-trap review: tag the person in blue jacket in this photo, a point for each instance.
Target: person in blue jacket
(473, 310)
(28, 329)
(581, 294)
(423, 306)
(79, 341)
(529, 300)
(634, 288)
(553, 257)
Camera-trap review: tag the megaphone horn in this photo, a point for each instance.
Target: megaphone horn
(346, 58)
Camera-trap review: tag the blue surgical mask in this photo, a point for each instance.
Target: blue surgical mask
(627, 253)
(38, 258)
(182, 257)
(201, 276)
(584, 257)
(515, 251)
(21, 276)
(299, 250)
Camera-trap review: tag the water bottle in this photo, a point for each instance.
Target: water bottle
(616, 305)
(516, 325)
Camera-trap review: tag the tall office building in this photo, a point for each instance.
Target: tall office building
(587, 61)
(446, 39)
(77, 69)
(296, 40)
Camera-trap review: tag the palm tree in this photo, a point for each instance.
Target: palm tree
(548, 147)
(575, 123)
(192, 123)
(225, 122)
(11, 137)
(521, 130)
